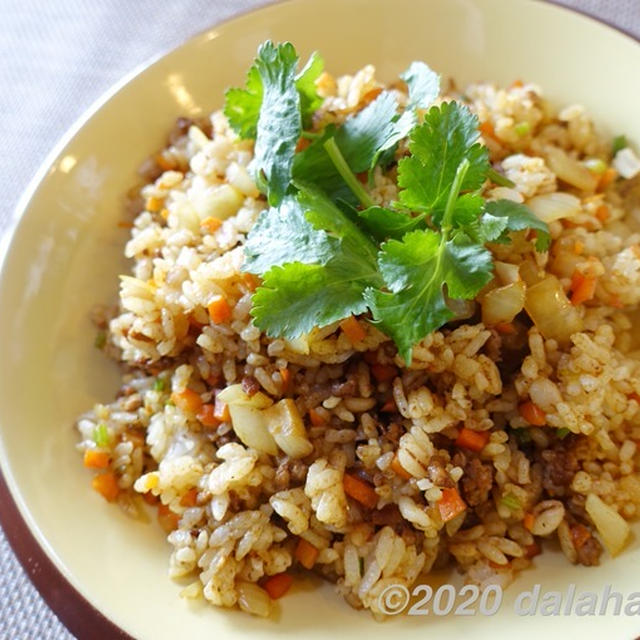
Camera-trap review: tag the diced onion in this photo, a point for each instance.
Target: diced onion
(250, 426)
(463, 309)
(550, 309)
(554, 206)
(627, 163)
(503, 304)
(507, 272)
(217, 202)
(285, 424)
(253, 599)
(570, 170)
(612, 527)
(234, 395)
(530, 273)
(299, 345)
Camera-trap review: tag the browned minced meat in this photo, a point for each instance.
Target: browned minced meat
(389, 515)
(345, 388)
(290, 473)
(180, 129)
(559, 465)
(589, 552)
(250, 385)
(437, 473)
(477, 480)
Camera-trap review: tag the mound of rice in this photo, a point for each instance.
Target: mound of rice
(236, 514)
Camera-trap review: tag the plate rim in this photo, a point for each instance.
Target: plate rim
(77, 614)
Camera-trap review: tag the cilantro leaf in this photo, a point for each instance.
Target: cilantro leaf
(415, 270)
(515, 217)
(423, 84)
(448, 135)
(310, 101)
(242, 106)
(280, 122)
(283, 235)
(384, 223)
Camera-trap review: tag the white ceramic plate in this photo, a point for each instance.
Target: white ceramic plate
(66, 252)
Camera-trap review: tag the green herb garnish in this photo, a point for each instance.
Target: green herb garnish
(324, 249)
(511, 502)
(159, 384)
(101, 435)
(562, 433)
(618, 143)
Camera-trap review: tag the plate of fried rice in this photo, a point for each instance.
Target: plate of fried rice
(305, 321)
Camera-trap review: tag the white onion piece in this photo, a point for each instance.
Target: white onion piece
(503, 304)
(554, 206)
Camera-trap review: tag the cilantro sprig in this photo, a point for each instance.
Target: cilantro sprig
(323, 248)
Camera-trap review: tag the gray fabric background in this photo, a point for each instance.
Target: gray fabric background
(57, 57)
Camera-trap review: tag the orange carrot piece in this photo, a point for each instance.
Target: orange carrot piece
(505, 328)
(532, 550)
(353, 330)
(187, 401)
(164, 164)
(252, 282)
(221, 411)
(207, 415)
(634, 396)
(607, 178)
(517, 84)
(302, 144)
(533, 414)
(473, 440)
(528, 521)
(168, 519)
(153, 204)
(219, 310)
(360, 490)
(451, 504)
(106, 484)
(578, 247)
(276, 586)
(316, 419)
(398, 469)
(389, 406)
(96, 459)
(579, 535)
(211, 224)
(189, 499)
(306, 554)
(487, 130)
(285, 374)
(583, 288)
(603, 213)
(383, 372)
(149, 498)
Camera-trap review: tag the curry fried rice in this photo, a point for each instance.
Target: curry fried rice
(497, 435)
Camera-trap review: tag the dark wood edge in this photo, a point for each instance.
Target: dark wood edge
(79, 616)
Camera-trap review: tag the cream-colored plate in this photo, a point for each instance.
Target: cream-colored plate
(66, 253)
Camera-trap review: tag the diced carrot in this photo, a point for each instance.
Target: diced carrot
(383, 372)
(285, 374)
(389, 406)
(124, 224)
(221, 411)
(578, 247)
(607, 178)
(252, 282)
(473, 440)
(579, 535)
(96, 459)
(302, 144)
(634, 396)
(360, 490)
(164, 163)
(506, 328)
(149, 498)
(583, 287)
(316, 419)
(168, 519)
(306, 554)
(353, 330)
(187, 401)
(451, 504)
(153, 204)
(517, 84)
(487, 130)
(219, 309)
(207, 416)
(532, 550)
(398, 469)
(528, 521)
(533, 414)
(603, 213)
(211, 224)
(106, 484)
(189, 499)
(276, 586)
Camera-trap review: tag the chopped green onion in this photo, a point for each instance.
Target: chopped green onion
(499, 179)
(596, 165)
(523, 436)
(347, 175)
(511, 502)
(101, 435)
(522, 128)
(619, 143)
(101, 340)
(563, 433)
(159, 384)
(169, 403)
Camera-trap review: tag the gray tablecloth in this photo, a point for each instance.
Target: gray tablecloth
(57, 58)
